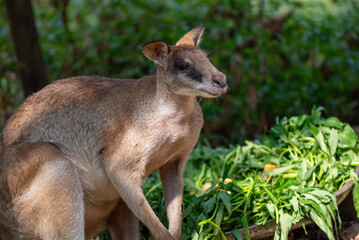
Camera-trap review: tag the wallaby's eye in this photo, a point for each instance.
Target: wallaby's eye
(183, 66)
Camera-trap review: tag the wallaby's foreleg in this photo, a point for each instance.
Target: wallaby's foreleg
(50, 204)
(123, 224)
(129, 186)
(172, 187)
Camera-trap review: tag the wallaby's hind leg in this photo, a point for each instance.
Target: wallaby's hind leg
(51, 205)
(123, 224)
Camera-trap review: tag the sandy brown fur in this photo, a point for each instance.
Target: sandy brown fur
(75, 154)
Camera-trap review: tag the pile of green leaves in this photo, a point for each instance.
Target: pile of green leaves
(314, 156)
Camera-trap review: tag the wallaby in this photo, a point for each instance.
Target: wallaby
(75, 154)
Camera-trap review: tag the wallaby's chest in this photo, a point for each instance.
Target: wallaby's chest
(162, 136)
(171, 125)
(159, 134)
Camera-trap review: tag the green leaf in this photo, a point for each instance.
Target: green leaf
(304, 169)
(208, 221)
(331, 122)
(285, 224)
(226, 200)
(245, 225)
(295, 204)
(209, 205)
(237, 234)
(272, 197)
(350, 157)
(271, 210)
(320, 139)
(277, 171)
(219, 218)
(347, 138)
(276, 235)
(315, 117)
(332, 210)
(323, 194)
(321, 224)
(334, 170)
(322, 210)
(309, 173)
(187, 211)
(333, 141)
(298, 121)
(356, 197)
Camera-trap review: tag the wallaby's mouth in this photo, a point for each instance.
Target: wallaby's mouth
(214, 92)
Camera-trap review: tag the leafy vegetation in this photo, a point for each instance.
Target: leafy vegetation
(227, 188)
(281, 57)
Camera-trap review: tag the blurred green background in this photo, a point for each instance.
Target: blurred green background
(280, 57)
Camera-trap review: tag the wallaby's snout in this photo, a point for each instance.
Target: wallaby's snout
(219, 80)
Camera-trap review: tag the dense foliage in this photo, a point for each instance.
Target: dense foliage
(229, 188)
(281, 57)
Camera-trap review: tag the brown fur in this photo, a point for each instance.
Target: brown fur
(75, 154)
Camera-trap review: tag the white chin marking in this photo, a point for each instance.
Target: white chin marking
(208, 94)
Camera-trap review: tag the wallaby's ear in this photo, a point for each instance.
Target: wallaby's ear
(193, 37)
(156, 51)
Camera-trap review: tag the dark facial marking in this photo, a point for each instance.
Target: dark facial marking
(194, 74)
(190, 71)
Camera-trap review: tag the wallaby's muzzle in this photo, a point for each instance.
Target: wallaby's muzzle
(220, 81)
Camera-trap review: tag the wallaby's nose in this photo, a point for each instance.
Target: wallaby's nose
(219, 81)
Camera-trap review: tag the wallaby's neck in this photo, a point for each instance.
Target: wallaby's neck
(163, 92)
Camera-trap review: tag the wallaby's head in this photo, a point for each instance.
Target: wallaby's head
(187, 69)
